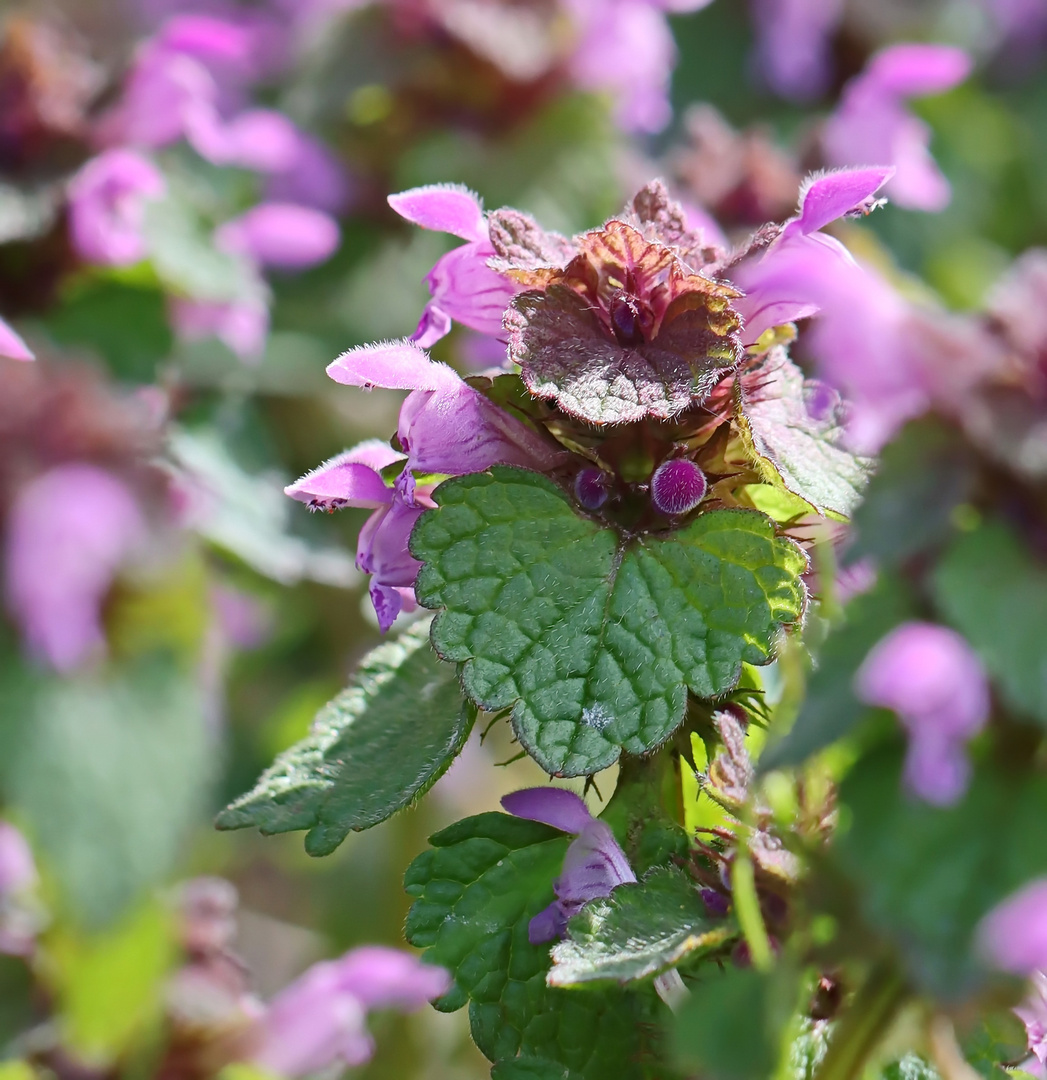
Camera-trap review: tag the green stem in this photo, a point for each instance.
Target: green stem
(863, 1026)
(747, 908)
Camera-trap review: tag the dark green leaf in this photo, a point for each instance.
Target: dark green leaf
(475, 892)
(996, 1039)
(728, 1029)
(830, 709)
(593, 639)
(530, 1068)
(806, 453)
(923, 876)
(923, 476)
(638, 931)
(383, 742)
(993, 591)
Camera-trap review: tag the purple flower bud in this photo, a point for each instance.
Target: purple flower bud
(677, 486)
(12, 347)
(932, 679)
(280, 234)
(590, 488)
(67, 534)
(107, 200)
(1013, 936)
(593, 866)
(715, 902)
(318, 1021)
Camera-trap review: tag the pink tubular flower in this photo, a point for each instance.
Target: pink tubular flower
(797, 273)
(319, 1020)
(932, 679)
(1013, 936)
(792, 45)
(280, 235)
(445, 427)
(464, 288)
(593, 867)
(1033, 1014)
(107, 200)
(12, 347)
(873, 124)
(68, 532)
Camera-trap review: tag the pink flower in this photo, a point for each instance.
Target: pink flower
(242, 325)
(1033, 1014)
(445, 427)
(464, 288)
(68, 532)
(107, 200)
(793, 40)
(872, 123)
(319, 1020)
(19, 921)
(593, 866)
(1013, 936)
(12, 347)
(280, 235)
(932, 679)
(798, 273)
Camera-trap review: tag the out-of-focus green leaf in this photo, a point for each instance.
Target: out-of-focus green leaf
(108, 770)
(638, 931)
(126, 324)
(830, 709)
(993, 591)
(378, 746)
(591, 638)
(995, 1039)
(249, 516)
(475, 892)
(17, 1070)
(923, 876)
(110, 985)
(526, 1068)
(730, 1027)
(922, 477)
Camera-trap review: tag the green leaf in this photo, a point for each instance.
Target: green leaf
(730, 1027)
(995, 593)
(475, 892)
(922, 477)
(529, 1068)
(923, 876)
(378, 746)
(638, 931)
(830, 709)
(594, 639)
(806, 452)
(109, 770)
(995, 1039)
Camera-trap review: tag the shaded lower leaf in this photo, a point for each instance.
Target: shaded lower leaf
(374, 749)
(830, 709)
(530, 1068)
(475, 892)
(922, 876)
(639, 931)
(995, 593)
(593, 638)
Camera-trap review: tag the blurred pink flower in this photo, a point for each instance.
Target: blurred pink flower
(873, 125)
(593, 866)
(932, 679)
(793, 40)
(313, 177)
(1013, 936)
(68, 532)
(18, 877)
(280, 235)
(12, 347)
(319, 1020)
(107, 200)
(241, 325)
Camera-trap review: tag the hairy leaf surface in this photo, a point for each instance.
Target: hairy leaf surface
(380, 744)
(640, 930)
(475, 891)
(593, 638)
